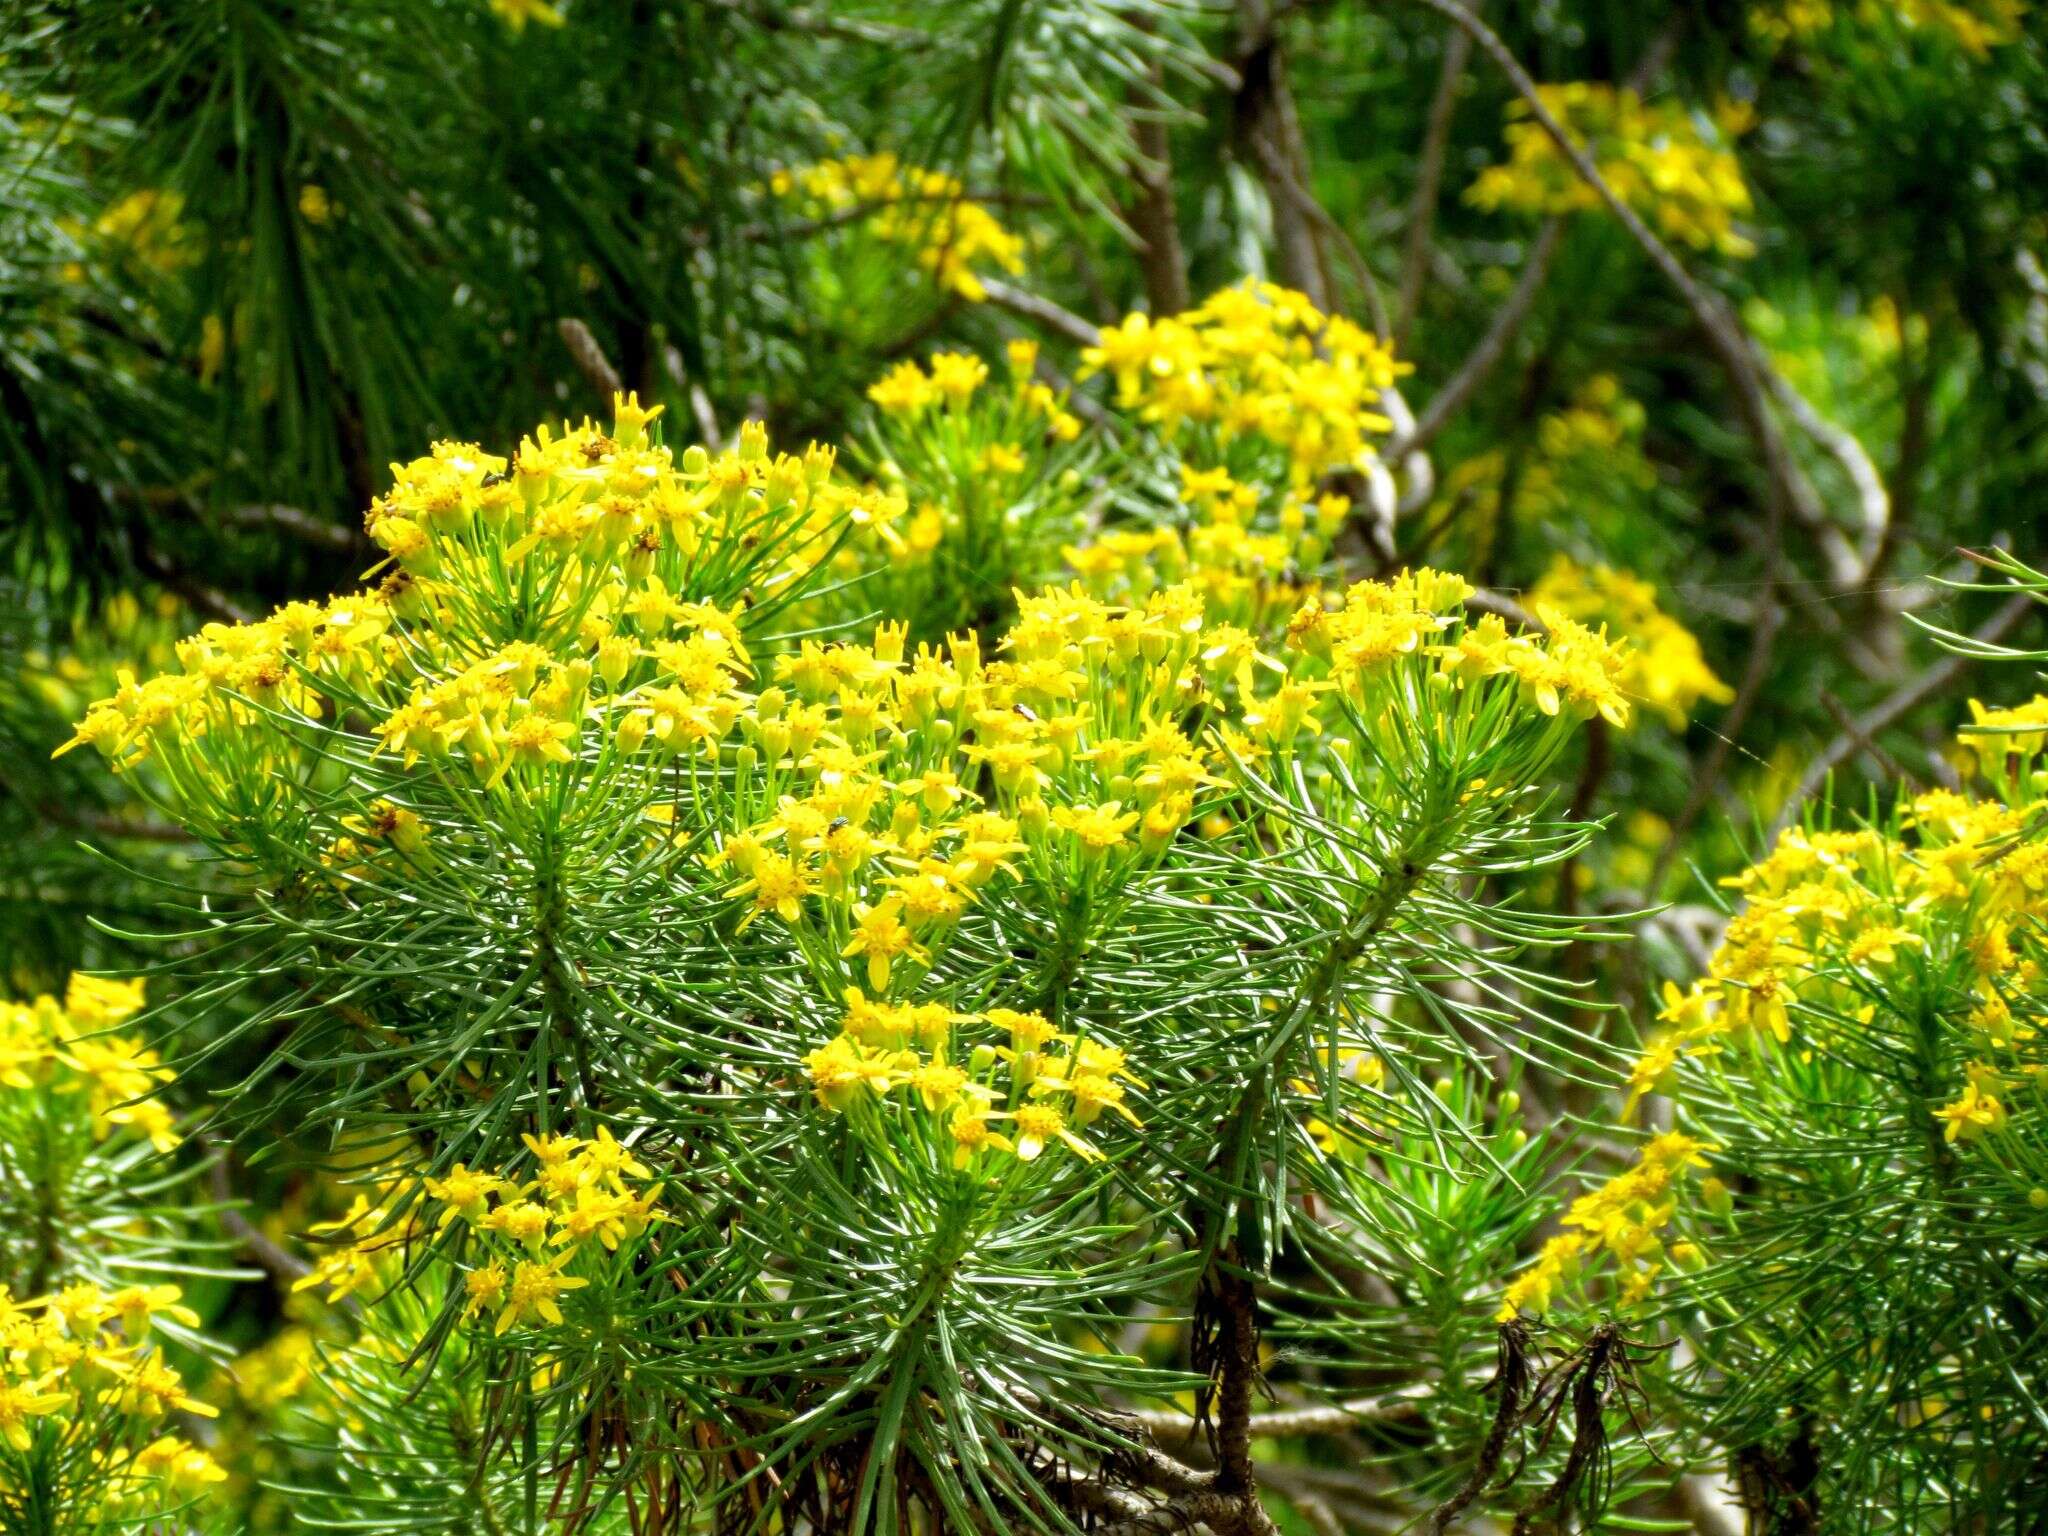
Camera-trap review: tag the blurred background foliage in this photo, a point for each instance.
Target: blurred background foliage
(253, 251)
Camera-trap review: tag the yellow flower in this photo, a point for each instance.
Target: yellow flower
(972, 1134)
(1092, 1094)
(517, 13)
(937, 1084)
(21, 1401)
(94, 1002)
(1098, 828)
(1653, 156)
(465, 1192)
(535, 740)
(523, 1221)
(186, 1468)
(777, 884)
(1532, 1290)
(484, 1288)
(150, 1387)
(534, 1292)
(879, 933)
(137, 1305)
(842, 1069)
(957, 375)
(1975, 1113)
(1038, 1125)
(903, 390)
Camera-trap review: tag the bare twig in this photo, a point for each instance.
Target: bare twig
(1041, 311)
(1873, 501)
(1902, 701)
(1316, 1419)
(1506, 322)
(700, 403)
(1318, 1515)
(283, 1265)
(301, 525)
(584, 351)
(1740, 358)
(203, 598)
(1707, 777)
(99, 824)
(1436, 139)
(1847, 723)
(1269, 126)
(1485, 600)
(1153, 216)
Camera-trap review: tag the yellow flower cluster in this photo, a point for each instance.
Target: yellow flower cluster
(517, 13)
(993, 474)
(516, 583)
(147, 226)
(880, 793)
(1253, 569)
(1254, 365)
(83, 1393)
(954, 380)
(584, 1194)
(64, 1049)
(1588, 456)
(1976, 26)
(1618, 1225)
(1937, 919)
(357, 1251)
(1833, 919)
(927, 213)
(1664, 670)
(1571, 672)
(2004, 740)
(1656, 157)
(276, 1371)
(903, 1061)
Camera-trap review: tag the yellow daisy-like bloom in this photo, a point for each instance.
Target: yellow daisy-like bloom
(880, 934)
(484, 1288)
(534, 1292)
(778, 884)
(972, 1134)
(21, 1401)
(1039, 1125)
(1098, 828)
(517, 13)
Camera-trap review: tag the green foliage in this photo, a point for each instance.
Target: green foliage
(901, 990)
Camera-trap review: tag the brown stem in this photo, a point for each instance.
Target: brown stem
(1236, 1300)
(1480, 363)
(1436, 139)
(1748, 372)
(588, 355)
(284, 1266)
(1511, 1381)
(1902, 701)
(1707, 778)
(1269, 127)
(1042, 311)
(1153, 216)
